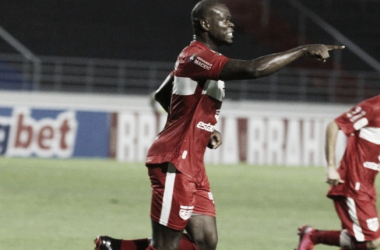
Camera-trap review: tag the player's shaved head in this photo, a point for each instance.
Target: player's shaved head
(212, 24)
(202, 10)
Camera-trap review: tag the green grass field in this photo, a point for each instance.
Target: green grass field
(63, 204)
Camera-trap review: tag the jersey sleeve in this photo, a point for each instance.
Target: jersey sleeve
(201, 65)
(356, 118)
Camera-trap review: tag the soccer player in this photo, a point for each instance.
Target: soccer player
(193, 94)
(352, 183)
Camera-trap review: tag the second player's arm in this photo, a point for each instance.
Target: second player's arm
(333, 177)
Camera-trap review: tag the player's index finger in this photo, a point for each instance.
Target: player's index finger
(332, 47)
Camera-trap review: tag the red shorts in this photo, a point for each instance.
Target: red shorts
(359, 217)
(175, 197)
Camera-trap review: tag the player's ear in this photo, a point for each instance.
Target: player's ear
(204, 24)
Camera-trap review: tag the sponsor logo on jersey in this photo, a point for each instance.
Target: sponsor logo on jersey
(200, 62)
(372, 165)
(206, 126)
(192, 57)
(185, 212)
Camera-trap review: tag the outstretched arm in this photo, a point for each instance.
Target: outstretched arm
(269, 64)
(333, 177)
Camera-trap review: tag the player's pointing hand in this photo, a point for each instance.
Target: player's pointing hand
(320, 51)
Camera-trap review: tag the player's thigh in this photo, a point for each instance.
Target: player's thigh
(164, 237)
(373, 244)
(202, 230)
(204, 200)
(360, 218)
(173, 196)
(202, 224)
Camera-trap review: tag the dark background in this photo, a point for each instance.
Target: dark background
(133, 29)
(157, 30)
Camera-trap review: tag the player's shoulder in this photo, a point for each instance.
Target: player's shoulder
(194, 48)
(371, 103)
(198, 48)
(198, 51)
(375, 100)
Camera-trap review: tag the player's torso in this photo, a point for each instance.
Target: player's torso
(196, 101)
(361, 162)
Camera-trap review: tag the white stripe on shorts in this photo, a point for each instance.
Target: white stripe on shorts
(359, 236)
(168, 195)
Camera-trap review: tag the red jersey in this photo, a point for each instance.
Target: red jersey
(196, 100)
(361, 160)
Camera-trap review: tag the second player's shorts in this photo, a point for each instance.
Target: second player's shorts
(175, 197)
(359, 217)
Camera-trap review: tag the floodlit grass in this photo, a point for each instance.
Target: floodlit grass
(59, 204)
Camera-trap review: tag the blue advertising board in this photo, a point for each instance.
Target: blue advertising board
(61, 133)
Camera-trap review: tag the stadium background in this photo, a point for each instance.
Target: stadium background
(75, 83)
(126, 49)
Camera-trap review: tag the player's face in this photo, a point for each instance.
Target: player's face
(221, 28)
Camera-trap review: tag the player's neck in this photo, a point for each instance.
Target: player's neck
(206, 42)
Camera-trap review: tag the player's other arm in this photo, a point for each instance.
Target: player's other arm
(215, 139)
(333, 177)
(266, 65)
(164, 92)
